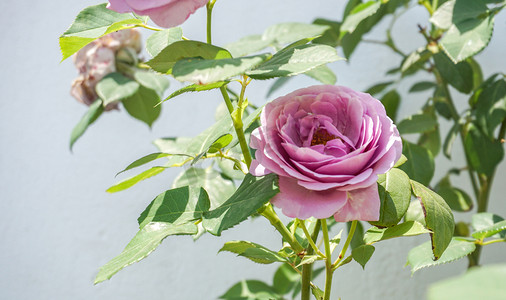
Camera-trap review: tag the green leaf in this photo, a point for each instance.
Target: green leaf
(450, 138)
(253, 251)
(395, 194)
(422, 86)
(247, 45)
(401, 161)
(286, 33)
(417, 123)
(469, 27)
(431, 140)
(358, 237)
(415, 61)
(409, 228)
(415, 213)
(161, 39)
(317, 293)
(115, 87)
(484, 154)
(420, 164)
(308, 259)
(285, 279)
(330, 36)
(498, 227)
(295, 60)
(491, 107)
(441, 100)
(391, 101)
(359, 14)
(196, 88)
(438, 217)
(199, 145)
(144, 160)
(153, 81)
(323, 74)
(421, 256)
(482, 221)
(142, 105)
(144, 242)
(334, 242)
(467, 38)
(486, 282)
(90, 24)
(250, 290)
(378, 88)
(362, 254)
(205, 71)
(460, 75)
(250, 196)
(94, 111)
(217, 186)
(350, 41)
(129, 182)
(457, 199)
(167, 58)
(176, 206)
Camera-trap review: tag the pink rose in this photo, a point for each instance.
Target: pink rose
(327, 144)
(165, 13)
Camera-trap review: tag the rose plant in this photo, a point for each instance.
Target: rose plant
(323, 154)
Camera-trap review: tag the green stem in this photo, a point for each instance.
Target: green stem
(427, 6)
(269, 213)
(346, 244)
(435, 4)
(209, 7)
(310, 239)
(328, 261)
(228, 103)
(307, 269)
(492, 242)
(148, 27)
(238, 125)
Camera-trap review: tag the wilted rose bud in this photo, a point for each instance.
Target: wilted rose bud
(98, 58)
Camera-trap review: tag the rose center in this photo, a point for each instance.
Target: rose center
(321, 137)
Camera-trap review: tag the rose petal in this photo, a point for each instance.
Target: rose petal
(298, 202)
(362, 204)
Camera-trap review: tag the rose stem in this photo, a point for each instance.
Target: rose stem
(236, 117)
(307, 269)
(310, 239)
(328, 261)
(346, 244)
(209, 7)
(268, 212)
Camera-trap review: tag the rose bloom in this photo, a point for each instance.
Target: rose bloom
(165, 13)
(327, 144)
(97, 59)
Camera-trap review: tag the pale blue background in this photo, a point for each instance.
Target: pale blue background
(58, 226)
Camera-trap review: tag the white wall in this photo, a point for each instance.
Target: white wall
(58, 226)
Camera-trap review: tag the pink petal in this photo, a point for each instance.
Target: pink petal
(172, 14)
(120, 6)
(298, 202)
(363, 205)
